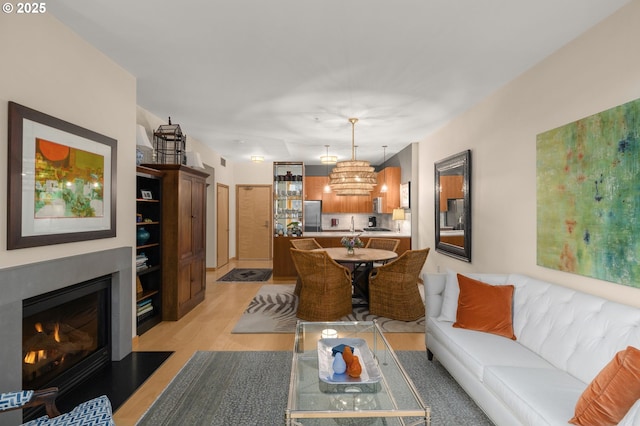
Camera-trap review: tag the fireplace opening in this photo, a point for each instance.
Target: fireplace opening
(66, 337)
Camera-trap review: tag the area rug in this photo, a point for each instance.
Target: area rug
(246, 275)
(251, 388)
(273, 310)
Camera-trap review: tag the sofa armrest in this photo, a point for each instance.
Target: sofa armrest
(434, 292)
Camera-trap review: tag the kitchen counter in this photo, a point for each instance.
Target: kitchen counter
(451, 233)
(283, 267)
(342, 233)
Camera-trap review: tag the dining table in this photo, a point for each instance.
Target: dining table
(360, 263)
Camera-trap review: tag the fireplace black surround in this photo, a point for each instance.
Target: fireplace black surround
(66, 336)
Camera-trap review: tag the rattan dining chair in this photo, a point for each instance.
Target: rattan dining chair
(325, 294)
(393, 288)
(303, 244)
(390, 244)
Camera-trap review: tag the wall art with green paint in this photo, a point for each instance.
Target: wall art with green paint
(588, 196)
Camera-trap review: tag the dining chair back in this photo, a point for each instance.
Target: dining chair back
(390, 244)
(303, 244)
(325, 294)
(393, 287)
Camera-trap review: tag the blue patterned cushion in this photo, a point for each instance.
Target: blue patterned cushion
(14, 399)
(96, 412)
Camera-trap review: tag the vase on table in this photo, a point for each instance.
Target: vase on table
(350, 251)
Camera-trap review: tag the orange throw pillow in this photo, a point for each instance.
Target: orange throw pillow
(612, 393)
(485, 307)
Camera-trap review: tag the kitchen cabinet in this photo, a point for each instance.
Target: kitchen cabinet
(183, 239)
(451, 187)
(332, 203)
(391, 198)
(314, 187)
(148, 248)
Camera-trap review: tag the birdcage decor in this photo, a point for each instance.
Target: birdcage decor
(169, 144)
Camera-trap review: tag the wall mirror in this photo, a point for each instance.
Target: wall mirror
(453, 206)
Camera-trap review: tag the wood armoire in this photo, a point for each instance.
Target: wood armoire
(184, 220)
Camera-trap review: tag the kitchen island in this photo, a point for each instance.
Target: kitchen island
(283, 267)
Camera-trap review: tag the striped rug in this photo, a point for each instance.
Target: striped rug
(273, 310)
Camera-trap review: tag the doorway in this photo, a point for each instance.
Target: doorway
(253, 219)
(222, 225)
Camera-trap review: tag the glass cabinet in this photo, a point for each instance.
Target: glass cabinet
(288, 195)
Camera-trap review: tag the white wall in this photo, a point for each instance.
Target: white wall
(48, 68)
(597, 71)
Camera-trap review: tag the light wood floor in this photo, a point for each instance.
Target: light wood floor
(208, 328)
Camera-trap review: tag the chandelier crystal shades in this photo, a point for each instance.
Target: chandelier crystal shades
(353, 177)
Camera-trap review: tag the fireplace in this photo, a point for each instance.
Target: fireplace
(23, 282)
(66, 336)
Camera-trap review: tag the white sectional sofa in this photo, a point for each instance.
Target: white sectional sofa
(564, 338)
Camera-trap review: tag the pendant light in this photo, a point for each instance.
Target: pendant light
(384, 169)
(353, 177)
(327, 159)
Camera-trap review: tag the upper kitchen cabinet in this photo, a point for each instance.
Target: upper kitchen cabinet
(332, 203)
(391, 198)
(288, 194)
(314, 187)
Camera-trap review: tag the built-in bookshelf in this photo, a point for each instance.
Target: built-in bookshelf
(148, 248)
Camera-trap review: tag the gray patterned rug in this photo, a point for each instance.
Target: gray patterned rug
(251, 388)
(246, 275)
(273, 310)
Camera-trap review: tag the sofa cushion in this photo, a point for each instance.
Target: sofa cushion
(536, 396)
(484, 307)
(632, 418)
(478, 350)
(576, 332)
(612, 393)
(452, 290)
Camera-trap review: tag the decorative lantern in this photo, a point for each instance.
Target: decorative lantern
(169, 144)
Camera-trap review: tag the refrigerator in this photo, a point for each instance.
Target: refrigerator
(312, 216)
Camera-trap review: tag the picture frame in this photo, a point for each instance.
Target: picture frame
(61, 180)
(146, 195)
(405, 196)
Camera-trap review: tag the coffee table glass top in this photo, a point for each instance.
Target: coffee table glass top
(390, 400)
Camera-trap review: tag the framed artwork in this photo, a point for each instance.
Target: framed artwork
(62, 181)
(146, 195)
(405, 197)
(587, 196)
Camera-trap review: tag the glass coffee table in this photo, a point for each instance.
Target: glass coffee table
(382, 395)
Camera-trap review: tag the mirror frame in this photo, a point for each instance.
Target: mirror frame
(462, 160)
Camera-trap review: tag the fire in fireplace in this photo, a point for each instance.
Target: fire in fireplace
(66, 335)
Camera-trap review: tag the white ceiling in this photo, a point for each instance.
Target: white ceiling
(280, 78)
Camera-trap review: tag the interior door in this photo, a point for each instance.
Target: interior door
(222, 225)
(253, 211)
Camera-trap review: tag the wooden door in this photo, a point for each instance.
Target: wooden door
(254, 214)
(222, 225)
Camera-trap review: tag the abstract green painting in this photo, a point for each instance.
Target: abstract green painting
(588, 196)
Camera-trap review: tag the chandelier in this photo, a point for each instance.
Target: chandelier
(353, 177)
